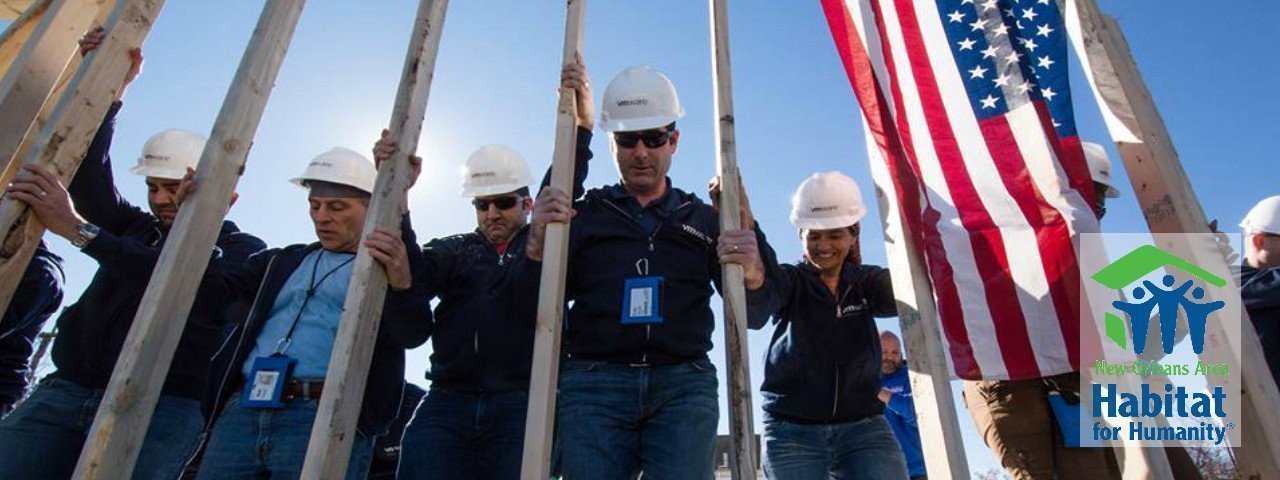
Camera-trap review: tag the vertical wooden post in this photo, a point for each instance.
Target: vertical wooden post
(334, 428)
(1170, 205)
(32, 75)
(929, 369)
(122, 420)
(73, 121)
(742, 454)
(540, 424)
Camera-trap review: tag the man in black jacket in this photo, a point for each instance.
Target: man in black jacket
(1260, 277)
(637, 392)
(272, 370)
(44, 436)
(36, 298)
(471, 423)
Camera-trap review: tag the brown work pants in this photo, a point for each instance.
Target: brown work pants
(1017, 423)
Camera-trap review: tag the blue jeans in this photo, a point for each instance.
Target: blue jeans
(464, 436)
(252, 443)
(615, 421)
(865, 449)
(43, 437)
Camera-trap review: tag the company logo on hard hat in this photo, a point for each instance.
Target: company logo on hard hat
(628, 102)
(484, 174)
(321, 163)
(161, 158)
(824, 208)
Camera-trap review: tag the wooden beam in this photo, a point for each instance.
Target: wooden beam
(334, 428)
(742, 454)
(125, 413)
(929, 369)
(18, 31)
(33, 74)
(12, 9)
(74, 120)
(1171, 207)
(540, 424)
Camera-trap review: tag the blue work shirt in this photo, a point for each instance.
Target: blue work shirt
(327, 273)
(901, 415)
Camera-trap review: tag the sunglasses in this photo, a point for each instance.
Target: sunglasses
(504, 203)
(652, 138)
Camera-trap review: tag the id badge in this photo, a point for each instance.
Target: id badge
(1068, 416)
(642, 301)
(267, 378)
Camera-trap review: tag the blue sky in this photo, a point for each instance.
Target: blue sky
(497, 73)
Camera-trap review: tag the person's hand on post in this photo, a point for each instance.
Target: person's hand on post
(90, 42)
(740, 247)
(386, 246)
(574, 76)
(885, 395)
(49, 200)
(1224, 244)
(552, 206)
(386, 146)
(747, 218)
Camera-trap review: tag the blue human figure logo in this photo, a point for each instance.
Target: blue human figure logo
(1167, 302)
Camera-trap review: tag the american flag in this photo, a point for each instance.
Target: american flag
(968, 101)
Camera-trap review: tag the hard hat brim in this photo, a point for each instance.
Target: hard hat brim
(1112, 192)
(830, 223)
(636, 124)
(165, 173)
(487, 191)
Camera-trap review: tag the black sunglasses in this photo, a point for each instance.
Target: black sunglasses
(652, 138)
(504, 203)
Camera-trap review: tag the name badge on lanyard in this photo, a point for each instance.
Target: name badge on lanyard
(267, 378)
(642, 297)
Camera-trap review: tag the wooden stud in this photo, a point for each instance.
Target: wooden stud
(31, 77)
(541, 421)
(13, 9)
(125, 413)
(742, 454)
(929, 369)
(334, 428)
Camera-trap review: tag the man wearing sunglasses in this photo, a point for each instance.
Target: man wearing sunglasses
(471, 423)
(637, 392)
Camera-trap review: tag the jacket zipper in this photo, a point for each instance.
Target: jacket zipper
(835, 404)
(648, 329)
(239, 343)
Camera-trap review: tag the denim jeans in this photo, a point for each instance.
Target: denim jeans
(253, 443)
(615, 421)
(865, 449)
(465, 436)
(43, 437)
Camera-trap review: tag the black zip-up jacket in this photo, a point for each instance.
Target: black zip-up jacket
(482, 336)
(823, 364)
(91, 332)
(406, 319)
(1260, 291)
(37, 297)
(605, 244)
(481, 341)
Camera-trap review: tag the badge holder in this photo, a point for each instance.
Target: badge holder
(642, 297)
(1067, 412)
(267, 378)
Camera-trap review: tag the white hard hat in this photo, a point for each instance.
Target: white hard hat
(639, 98)
(1263, 217)
(494, 169)
(341, 166)
(1099, 166)
(827, 201)
(168, 154)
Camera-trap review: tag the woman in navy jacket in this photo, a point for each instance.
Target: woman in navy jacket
(822, 373)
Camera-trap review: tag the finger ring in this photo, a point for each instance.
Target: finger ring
(44, 193)
(735, 248)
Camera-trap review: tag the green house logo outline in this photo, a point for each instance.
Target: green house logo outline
(1135, 265)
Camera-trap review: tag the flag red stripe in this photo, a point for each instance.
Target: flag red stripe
(899, 155)
(988, 245)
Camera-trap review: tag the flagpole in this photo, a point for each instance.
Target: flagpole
(1171, 206)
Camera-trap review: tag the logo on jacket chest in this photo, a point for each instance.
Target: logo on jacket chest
(693, 232)
(850, 310)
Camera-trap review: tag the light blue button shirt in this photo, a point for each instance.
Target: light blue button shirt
(318, 325)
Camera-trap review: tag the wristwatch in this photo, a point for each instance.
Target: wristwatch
(85, 233)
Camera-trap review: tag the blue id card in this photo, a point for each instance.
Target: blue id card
(1068, 416)
(642, 301)
(267, 378)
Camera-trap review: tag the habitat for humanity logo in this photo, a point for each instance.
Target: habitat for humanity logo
(1197, 414)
